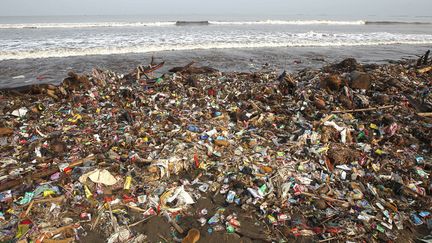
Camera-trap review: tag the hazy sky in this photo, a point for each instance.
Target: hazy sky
(216, 7)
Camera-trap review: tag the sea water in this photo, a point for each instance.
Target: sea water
(66, 39)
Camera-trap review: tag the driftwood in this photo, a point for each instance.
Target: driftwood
(32, 89)
(72, 82)
(423, 60)
(253, 235)
(142, 71)
(153, 68)
(75, 81)
(189, 69)
(180, 69)
(426, 57)
(365, 109)
(38, 175)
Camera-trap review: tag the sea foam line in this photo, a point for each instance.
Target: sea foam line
(171, 23)
(140, 49)
(84, 25)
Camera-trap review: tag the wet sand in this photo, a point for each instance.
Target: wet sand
(14, 73)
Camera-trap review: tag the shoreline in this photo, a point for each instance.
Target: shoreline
(340, 152)
(52, 70)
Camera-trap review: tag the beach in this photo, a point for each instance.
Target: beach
(338, 152)
(296, 129)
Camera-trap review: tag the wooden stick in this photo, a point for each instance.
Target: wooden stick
(425, 114)
(424, 70)
(326, 119)
(163, 238)
(64, 228)
(173, 223)
(364, 109)
(151, 69)
(135, 208)
(136, 223)
(48, 235)
(327, 198)
(176, 226)
(141, 221)
(67, 240)
(328, 239)
(81, 161)
(113, 221)
(97, 218)
(28, 210)
(53, 199)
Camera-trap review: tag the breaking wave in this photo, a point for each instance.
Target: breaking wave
(178, 23)
(185, 23)
(84, 25)
(110, 45)
(205, 22)
(395, 23)
(289, 22)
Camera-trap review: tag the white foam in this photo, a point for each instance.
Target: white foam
(170, 23)
(140, 49)
(84, 25)
(154, 41)
(290, 22)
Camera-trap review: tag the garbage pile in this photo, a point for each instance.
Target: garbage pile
(337, 154)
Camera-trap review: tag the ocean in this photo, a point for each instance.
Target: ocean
(43, 49)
